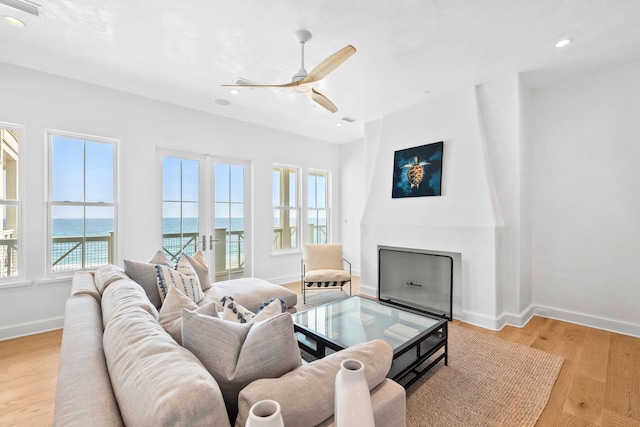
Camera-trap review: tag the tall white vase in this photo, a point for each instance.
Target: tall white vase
(265, 413)
(353, 400)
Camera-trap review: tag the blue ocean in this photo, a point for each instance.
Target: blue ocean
(71, 227)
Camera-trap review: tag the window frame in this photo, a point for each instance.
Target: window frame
(49, 135)
(20, 277)
(286, 206)
(327, 208)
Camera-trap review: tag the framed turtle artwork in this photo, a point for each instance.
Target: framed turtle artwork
(417, 171)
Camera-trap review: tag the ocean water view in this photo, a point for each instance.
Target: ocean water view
(67, 250)
(73, 227)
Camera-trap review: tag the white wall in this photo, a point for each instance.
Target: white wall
(585, 144)
(462, 220)
(352, 165)
(41, 101)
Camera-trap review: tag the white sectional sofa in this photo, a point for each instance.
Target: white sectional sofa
(118, 366)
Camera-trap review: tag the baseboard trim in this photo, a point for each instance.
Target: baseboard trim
(31, 328)
(606, 324)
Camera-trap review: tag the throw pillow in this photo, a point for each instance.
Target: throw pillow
(202, 269)
(235, 312)
(237, 354)
(145, 275)
(183, 277)
(171, 312)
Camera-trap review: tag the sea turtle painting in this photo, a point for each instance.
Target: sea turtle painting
(415, 174)
(417, 171)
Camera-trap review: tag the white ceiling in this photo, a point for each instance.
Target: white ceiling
(182, 51)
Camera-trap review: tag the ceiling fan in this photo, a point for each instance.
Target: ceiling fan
(303, 82)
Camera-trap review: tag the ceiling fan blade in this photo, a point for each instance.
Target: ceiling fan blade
(329, 64)
(322, 100)
(256, 85)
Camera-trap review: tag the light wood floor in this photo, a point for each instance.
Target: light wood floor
(599, 384)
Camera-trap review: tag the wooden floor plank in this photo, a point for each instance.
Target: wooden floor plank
(585, 399)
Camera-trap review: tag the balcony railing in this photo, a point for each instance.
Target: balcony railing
(79, 252)
(8, 257)
(229, 250)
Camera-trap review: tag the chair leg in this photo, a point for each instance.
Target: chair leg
(304, 295)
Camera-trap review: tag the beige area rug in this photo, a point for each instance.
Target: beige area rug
(488, 382)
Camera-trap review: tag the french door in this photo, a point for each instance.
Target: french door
(206, 206)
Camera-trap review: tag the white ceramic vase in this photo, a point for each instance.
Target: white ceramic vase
(265, 413)
(353, 400)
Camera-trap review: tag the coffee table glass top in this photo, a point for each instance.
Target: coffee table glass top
(353, 320)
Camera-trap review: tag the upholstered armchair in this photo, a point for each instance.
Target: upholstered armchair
(323, 267)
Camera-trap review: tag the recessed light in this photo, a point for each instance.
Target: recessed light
(234, 91)
(222, 101)
(14, 21)
(339, 124)
(563, 43)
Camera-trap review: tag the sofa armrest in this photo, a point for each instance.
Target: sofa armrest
(308, 392)
(84, 395)
(389, 402)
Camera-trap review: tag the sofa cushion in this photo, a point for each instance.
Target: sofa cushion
(83, 369)
(298, 391)
(83, 283)
(251, 292)
(184, 277)
(202, 269)
(157, 382)
(170, 315)
(107, 274)
(122, 296)
(238, 353)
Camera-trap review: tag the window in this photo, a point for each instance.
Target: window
(82, 202)
(285, 207)
(9, 202)
(318, 207)
(180, 206)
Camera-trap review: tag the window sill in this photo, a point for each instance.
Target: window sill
(19, 284)
(55, 279)
(287, 252)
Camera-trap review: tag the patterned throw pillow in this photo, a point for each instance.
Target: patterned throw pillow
(183, 277)
(235, 312)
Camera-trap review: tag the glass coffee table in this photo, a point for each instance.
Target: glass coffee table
(414, 337)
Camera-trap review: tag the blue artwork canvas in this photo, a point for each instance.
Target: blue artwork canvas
(417, 171)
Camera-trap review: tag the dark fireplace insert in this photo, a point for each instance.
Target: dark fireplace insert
(418, 279)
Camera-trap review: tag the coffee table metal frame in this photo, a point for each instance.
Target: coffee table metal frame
(424, 345)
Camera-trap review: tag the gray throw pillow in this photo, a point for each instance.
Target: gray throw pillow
(144, 274)
(236, 354)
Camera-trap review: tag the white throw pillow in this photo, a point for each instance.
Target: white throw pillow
(183, 277)
(236, 354)
(171, 312)
(202, 269)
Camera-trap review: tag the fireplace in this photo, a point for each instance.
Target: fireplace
(417, 279)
